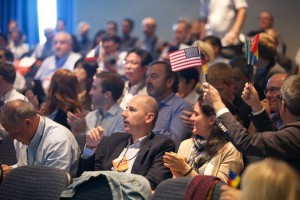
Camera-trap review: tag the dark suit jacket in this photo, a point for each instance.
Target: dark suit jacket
(149, 161)
(282, 144)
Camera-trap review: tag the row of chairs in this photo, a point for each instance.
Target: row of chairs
(43, 182)
(47, 183)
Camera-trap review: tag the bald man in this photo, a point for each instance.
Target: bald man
(138, 151)
(38, 140)
(64, 58)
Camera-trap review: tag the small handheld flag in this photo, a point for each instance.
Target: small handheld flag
(185, 58)
(251, 54)
(233, 180)
(254, 49)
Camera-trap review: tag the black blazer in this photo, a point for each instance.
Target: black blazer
(282, 144)
(148, 163)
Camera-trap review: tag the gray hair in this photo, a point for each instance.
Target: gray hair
(290, 94)
(15, 111)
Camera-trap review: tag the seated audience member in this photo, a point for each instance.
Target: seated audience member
(62, 97)
(111, 28)
(216, 45)
(64, 58)
(266, 65)
(108, 54)
(85, 70)
(98, 38)
(208, 152)
(136, 65)
(219, 75)
(138, 151)
(106, 89)
(266, 180)
(7, 90)
(45, 50)
(17, 46)
(61, 26)
(266, 24)
(195, 30)
(38, 140)
(3, 41)
(282, 144)
(188, 80)
(150, 42)
(162, 84)
(85, 44)
(182, 38)
(127, 41)
(7, 56)
(239, 73)
(272, 93)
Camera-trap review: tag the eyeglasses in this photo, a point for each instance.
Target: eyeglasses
(132, 62)
(272, 90)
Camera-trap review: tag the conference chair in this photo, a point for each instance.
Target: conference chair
(34, 182)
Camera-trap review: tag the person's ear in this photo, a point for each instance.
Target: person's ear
(107, 94)
(27, 122)
(170, 82)
(149, 117)
(212, 120)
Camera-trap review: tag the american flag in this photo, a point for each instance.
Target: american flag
(185, 58)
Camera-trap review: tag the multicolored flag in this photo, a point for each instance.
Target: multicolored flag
(233, 180)
(254, 49)
(185, 58)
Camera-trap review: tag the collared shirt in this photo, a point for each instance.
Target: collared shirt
(111, 122)
(52, 145)
(49, 66)
(168, 121)
(131, 91)
(130, 152)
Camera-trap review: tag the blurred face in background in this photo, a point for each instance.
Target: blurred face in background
(134, 71)
(62, 44)
(265, 20)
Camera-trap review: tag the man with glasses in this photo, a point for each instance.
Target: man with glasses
(282, 144)
(272, 92)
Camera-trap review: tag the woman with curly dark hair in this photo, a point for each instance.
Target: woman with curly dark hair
(208, 152)
(62, 97)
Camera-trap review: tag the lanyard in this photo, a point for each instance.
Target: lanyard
(37, 146)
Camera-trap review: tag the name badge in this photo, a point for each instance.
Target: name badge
(120, 164)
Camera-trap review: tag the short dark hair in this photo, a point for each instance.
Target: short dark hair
(241, 63)
(214, 40)
(190, 74)
(145, 55)
(290, 94)
(8, 72)
(130, 22)
(114, 38)
(111, 82)
(169, 73)
(9, 56)
(113, 23)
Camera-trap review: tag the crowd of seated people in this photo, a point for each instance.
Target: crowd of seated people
(140, 117)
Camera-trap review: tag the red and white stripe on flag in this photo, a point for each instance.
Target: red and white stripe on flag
(185, 58)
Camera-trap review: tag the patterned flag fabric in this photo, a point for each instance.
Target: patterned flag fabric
(185, 58)
(233, 180)
(254, 49)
